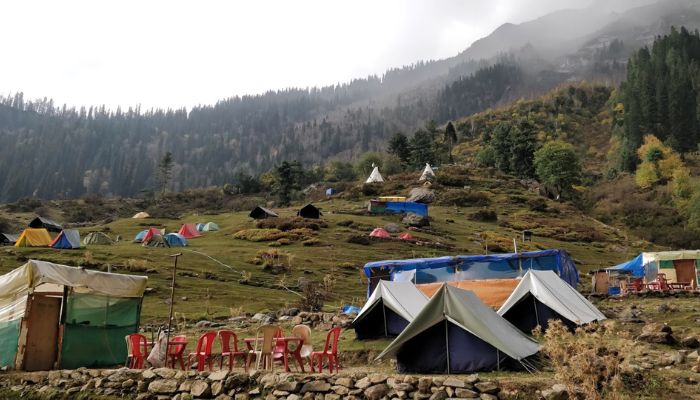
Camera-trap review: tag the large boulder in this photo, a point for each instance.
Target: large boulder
(657, 333)
(416, 220)
(421, 195)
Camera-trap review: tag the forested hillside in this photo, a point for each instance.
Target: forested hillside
(53, 151)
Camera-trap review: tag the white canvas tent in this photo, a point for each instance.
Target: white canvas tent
(141, 215)
(390, 308)
(98, 310)
(457, 333)
(541, 296)
(375, 176)
(427, 173)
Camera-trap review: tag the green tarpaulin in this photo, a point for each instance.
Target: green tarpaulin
(9, 335)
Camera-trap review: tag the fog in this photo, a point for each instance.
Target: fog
(167, 53)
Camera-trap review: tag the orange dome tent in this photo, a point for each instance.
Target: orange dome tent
(380, 233)
(406, 236)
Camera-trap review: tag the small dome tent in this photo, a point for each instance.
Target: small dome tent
(380, 233)
(189, 231)
(141, 215)
(375, 176)
(67, 239)
(210, 227)
(199, 226)
(175, 240)
(100, 238)
(427, 174)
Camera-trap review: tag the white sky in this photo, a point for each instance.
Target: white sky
(169, 53)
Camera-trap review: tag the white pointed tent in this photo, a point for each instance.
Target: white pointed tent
(390, 308)
(375, 176)
(427, 173)
(541, 296)
(455, 333)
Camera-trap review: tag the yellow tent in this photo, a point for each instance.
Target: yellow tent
(34, 238)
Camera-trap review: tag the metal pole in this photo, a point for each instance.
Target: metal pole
(172, 301)
(447, 345)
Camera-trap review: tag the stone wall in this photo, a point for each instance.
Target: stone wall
(164, 383)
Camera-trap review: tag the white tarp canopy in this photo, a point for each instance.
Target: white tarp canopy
(671, 255)
(464, 309)
(17, 284)
(375, 176)
(403, 298)
(427, 173)
(550, 290)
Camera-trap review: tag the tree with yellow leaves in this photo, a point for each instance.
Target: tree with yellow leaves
(658, 163)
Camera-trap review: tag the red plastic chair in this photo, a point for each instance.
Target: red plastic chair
(231, 352)
(175, 351)
(330, 351)
(137, 350)
(203, 353)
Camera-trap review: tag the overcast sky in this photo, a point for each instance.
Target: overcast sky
(168, 53)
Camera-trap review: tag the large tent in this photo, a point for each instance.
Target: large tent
(262, 213)
(99, 238)
(7, 239)
(375, 176)
(541, 296)
(427, 173)
(458, 268)
(56, 316)
(189, 231)
(309, 211)
(389, 310)
(49, 225)
(678, 266)
(457, 333)
(141, 215)
(175, 240)
(67, 239)
(34, 238)
(210, 227)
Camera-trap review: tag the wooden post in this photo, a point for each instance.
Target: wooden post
(172, 301)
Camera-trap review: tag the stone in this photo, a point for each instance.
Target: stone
(341, 390)
(344, 381)
(377, 378)
(331, 396)
(199, 388)
(376, 392)
(142, 386)
(415, 220)
(486, 387)
(316, 386)
(241, 396)
(219, 375)
(363, 383)
(454, 382)
(472, 379)
(424, 384)
(288, 386)
(254, 392)
(163, 386)
(403, 387)
(693, 355)
(488, 396)
(421, 195)
(557, 392)
(258, 317)
(293, 397)
(128, 383)
(165, 373)
(280, 393)
(217, 387)
(186, 386)
(646, 365)
(676, 357)
(223, 397)
(466, 394)
(439, 395)
(148, 374)
(690, 342)
(72, 391)
(657, 337)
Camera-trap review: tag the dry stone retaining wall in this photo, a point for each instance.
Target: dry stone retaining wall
(164, 383)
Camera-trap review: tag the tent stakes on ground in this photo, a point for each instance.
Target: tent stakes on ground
(392, 306)
(541, 296)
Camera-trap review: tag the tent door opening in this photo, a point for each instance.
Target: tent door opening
(42, 324)
(685, 271)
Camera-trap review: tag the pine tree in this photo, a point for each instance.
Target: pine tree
(165, 168)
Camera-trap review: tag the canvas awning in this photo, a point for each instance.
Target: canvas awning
(556, 294)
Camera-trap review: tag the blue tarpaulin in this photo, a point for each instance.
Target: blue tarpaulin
(635, 267)
(493, 266)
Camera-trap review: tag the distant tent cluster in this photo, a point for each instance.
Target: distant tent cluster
(376, 177)
(308, 211)
(384, 234)
(37, 235)
(453, 331)
(154, 237)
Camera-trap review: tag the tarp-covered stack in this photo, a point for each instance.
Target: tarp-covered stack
(67, 239)
(99, 309)
(34, 238)
(540, 297)
(392, 306)
(457, 333)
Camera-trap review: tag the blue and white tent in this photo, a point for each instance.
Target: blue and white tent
(200, 227)
(67, 239)
(175, 240)
(139, 236)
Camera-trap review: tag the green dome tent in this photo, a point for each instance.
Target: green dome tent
(210, 227)
(97, 238)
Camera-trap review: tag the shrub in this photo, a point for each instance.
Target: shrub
(358, 239)
(311, 298)
(484, 216)
(259, 235)
(452, 176)
(311, 242)
(289, 224)
(463, 198)
(371, 189)
(537, 204)
(345, 222)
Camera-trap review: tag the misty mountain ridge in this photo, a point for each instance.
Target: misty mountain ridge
(95, 150)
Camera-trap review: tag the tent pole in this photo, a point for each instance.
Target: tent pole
(172, 300)
(386, 330)
(534, 304)
(447, 345)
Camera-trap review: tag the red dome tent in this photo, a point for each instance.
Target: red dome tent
(189, 231)
(380, 233)
(151, 232)
(406, 236)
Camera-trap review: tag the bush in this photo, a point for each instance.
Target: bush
(537, 204)
(345, 222)
(452, 176)
(463, 198)
(259, 235)
(484, 216)
(289, 224)
(371, 189)
(312, 298)
(357, 239)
